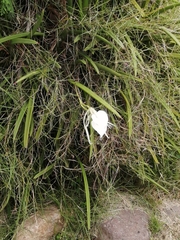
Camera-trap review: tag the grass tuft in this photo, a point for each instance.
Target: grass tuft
(58, 58)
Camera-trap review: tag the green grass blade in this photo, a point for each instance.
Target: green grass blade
(80, 5)
(83, 7)
(37, 24)
(129, 114)
(90, 45)
(162, 9)
(14, 36)
(92, 146)
(41, 125)
(77, 38)
(160, 99)
(168, 109)
(91, 62)
(31, 128)
(29, 117)
(111, 71)
(98, 37)
(69, 6)
(5, 201)
(155, 183)
(173, 144)
(85, 4)
(2, 132)
(96, 97)
(115, 38)
(86, 187)
(133, 52)
(140, 10)
(23, 41)
(10, 95)
(119, 74)
(29, 75)
(18, 35)
(19, 120)
(171, 35)
(153, 155)
(45, 170)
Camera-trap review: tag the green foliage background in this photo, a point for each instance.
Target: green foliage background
(55, 58)
(6, 8)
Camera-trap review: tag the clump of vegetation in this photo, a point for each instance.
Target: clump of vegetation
(154, 225)
(119, 57)
(6, 8)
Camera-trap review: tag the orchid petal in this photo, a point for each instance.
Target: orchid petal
(100, 122)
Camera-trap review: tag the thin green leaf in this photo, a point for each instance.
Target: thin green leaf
(45, 170)
(129, 114)
(153, 155)
(91, 62)
(174, 145)
(14, 36)
(41, 125)
(5, 200)
(155, 183)
(31, 127)
(37, 24)
(119, 74)
(111, 71)
(85, 4)
(26, 195)
(107, 42)
(29, 117)
(92, 146)
(19, 120)
(115, 38)
(90, 45)
(69, 6)
(2, 132)
(162, 9)
(168, 109)
(60, 128)
(83, 7)
(23, 41)
(96, 97)
(77, 38)
(133, 53)
(171, 35)
(80, 4)
(140, 10)
(173, 55)
(10, 95)
(83, 61)
(29, 75)
(18, 35)
(86, 187)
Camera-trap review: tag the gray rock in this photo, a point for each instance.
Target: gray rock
(41, 226)
(127, 225)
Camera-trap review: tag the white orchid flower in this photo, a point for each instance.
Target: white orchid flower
(98, 120)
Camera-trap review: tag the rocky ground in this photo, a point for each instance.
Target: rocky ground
(130, 219)
(122, 216)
